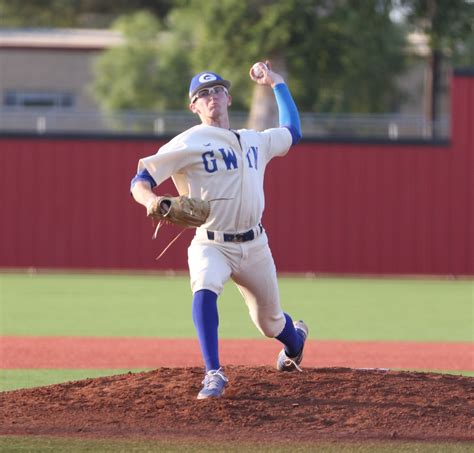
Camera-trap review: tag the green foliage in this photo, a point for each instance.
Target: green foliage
(354, 56)
(126, 76)
(141, 74)
(74, 13)
(447, 22)
(338, 58)
(463, 53)
(449, 25)
(38, 13)
(363, 54)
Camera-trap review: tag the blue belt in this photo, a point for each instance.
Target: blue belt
(239, 237)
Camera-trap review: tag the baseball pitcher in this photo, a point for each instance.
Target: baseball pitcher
(219, 175)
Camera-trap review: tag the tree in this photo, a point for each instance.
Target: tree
(141, 74)
(74, 13)
(449, 25)
(463, 52)
(338, 57)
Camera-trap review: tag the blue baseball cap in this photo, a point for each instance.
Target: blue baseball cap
(206, 79)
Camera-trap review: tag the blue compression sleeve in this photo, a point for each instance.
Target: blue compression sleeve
(143, 175)
(288, 113)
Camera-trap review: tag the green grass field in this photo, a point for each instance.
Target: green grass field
(159, 306)
(152, 306)
(13, 444)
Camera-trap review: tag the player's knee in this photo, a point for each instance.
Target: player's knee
(269, 333)
(272, 327)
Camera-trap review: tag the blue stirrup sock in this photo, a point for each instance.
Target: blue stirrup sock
(206, 321)
(290, 338)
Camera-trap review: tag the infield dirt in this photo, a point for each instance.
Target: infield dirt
(260, 404)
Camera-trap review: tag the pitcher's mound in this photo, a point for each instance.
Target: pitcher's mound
(260, 404)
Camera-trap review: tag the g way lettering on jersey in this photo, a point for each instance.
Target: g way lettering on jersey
(212, 161)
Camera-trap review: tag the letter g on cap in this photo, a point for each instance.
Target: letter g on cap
(207, 78)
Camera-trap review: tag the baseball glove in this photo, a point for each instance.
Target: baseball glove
(183, 211)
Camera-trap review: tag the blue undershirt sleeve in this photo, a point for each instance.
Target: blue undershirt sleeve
(288, 113)
(143, 175)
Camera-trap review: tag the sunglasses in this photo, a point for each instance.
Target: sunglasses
(206, 92)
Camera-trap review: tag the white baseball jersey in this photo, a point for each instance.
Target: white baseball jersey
(211, 163)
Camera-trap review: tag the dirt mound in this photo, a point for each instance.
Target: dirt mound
(260, 404)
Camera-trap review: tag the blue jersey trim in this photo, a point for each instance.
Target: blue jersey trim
(288, 112)
(143, 175)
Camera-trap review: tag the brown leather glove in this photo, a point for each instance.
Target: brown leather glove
(183, 211)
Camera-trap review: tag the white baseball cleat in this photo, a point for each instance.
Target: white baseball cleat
(214, 384)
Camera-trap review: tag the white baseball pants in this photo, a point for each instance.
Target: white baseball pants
(250, 265)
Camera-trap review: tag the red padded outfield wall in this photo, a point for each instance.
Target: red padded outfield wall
(343, 208)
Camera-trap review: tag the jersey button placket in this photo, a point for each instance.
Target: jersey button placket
(241, 174)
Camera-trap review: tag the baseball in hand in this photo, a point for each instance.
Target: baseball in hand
(257, 70)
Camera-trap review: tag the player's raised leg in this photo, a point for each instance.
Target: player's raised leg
(257, 282)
